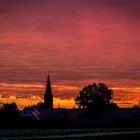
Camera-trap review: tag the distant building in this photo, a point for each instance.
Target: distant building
(26, 113)
(48, 96)
(60, 114)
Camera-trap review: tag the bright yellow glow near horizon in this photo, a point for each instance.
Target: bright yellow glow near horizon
(32, 94)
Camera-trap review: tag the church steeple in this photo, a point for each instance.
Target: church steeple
(48, 96)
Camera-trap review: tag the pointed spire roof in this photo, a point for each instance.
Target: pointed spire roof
(48, 90)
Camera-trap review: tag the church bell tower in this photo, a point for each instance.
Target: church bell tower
(48, 96)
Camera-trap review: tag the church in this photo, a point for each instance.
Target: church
(48, 112)
(48, 96)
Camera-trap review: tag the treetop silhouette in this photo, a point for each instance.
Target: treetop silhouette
(94, 96)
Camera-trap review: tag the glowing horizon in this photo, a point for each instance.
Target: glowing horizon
(121, 95)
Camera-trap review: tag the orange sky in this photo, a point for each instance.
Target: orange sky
(78, 41)
(63, 94)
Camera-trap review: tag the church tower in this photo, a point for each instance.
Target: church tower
(48, 96)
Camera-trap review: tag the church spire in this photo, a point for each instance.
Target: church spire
(48, 96)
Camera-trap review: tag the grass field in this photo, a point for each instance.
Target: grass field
(71, 134)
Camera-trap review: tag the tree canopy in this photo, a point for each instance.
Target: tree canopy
(95, 95)
(9, 110)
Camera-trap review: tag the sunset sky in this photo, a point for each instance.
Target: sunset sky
(78, 41)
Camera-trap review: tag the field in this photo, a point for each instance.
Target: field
(71, 134)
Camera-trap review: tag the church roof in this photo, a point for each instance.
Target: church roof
(48, 89)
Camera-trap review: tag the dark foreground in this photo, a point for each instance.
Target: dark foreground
(71, 134)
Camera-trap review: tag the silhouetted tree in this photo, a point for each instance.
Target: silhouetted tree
(1, 110)
(10, 110)
(39, 105)
(95, 96)
(1, 105)
(136, 106)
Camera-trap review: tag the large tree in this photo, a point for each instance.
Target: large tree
(95, 96)
(10, 110)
